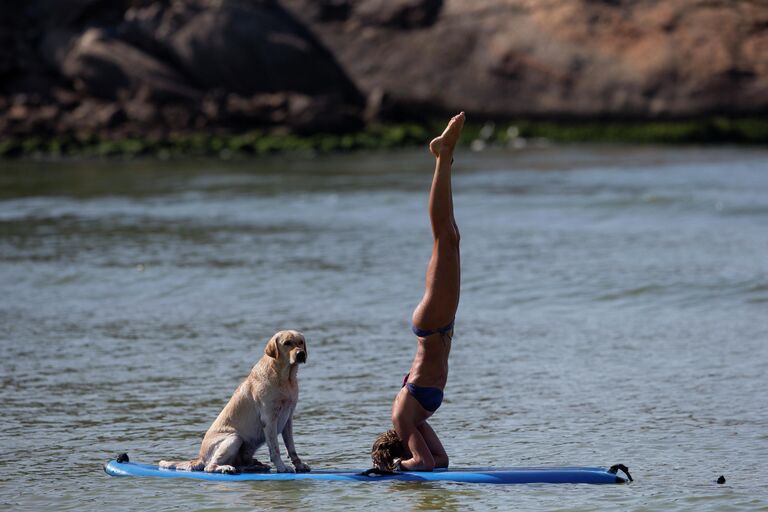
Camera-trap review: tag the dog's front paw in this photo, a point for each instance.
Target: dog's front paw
(302, 468)
(227, 470)
(282, 468)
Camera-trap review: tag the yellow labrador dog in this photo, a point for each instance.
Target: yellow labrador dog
(260, 409)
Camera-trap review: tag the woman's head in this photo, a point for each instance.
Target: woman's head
(386, 448)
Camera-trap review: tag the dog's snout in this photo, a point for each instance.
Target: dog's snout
(301, 356)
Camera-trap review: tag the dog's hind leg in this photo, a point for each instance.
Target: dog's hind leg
(225, 455)
(256, 467)
(186, 465)
(248, 463)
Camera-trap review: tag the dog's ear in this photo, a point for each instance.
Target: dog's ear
(271, 349)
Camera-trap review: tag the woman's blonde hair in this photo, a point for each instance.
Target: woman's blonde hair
(386, 448)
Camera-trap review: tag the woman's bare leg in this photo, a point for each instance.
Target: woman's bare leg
(407, 418)
(435, 446)
(441, 296)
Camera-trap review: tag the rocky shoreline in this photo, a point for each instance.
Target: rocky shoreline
(257, 76)
(519, 135)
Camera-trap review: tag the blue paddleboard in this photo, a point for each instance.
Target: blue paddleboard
(576, 475)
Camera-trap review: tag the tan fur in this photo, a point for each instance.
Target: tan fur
(260, 409)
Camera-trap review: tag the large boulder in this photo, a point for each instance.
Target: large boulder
(133, 65)
(242, 46)
(104, 67)
(404, 14)
(569, 58)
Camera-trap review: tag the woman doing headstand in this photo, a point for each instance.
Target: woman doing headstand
(412, 440)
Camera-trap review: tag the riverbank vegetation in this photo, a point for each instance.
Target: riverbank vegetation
(390, 136)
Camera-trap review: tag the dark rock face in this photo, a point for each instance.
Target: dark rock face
(402, 14)
(123, 67)
(105, 67)
(331, 10)
(244, 47)
(137, 67)
(556, 58)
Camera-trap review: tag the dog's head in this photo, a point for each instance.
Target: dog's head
(287, 346)
(386, 449)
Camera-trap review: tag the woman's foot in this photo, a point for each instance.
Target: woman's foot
(444, 145)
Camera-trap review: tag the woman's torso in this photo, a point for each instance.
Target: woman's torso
(430, 365)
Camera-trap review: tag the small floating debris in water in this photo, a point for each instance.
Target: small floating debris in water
(721, 480)
(477, 145)
(484, 137)
(518, 143)
(514, 140)
(486, 132)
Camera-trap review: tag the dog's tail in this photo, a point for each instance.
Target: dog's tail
(186, 465)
